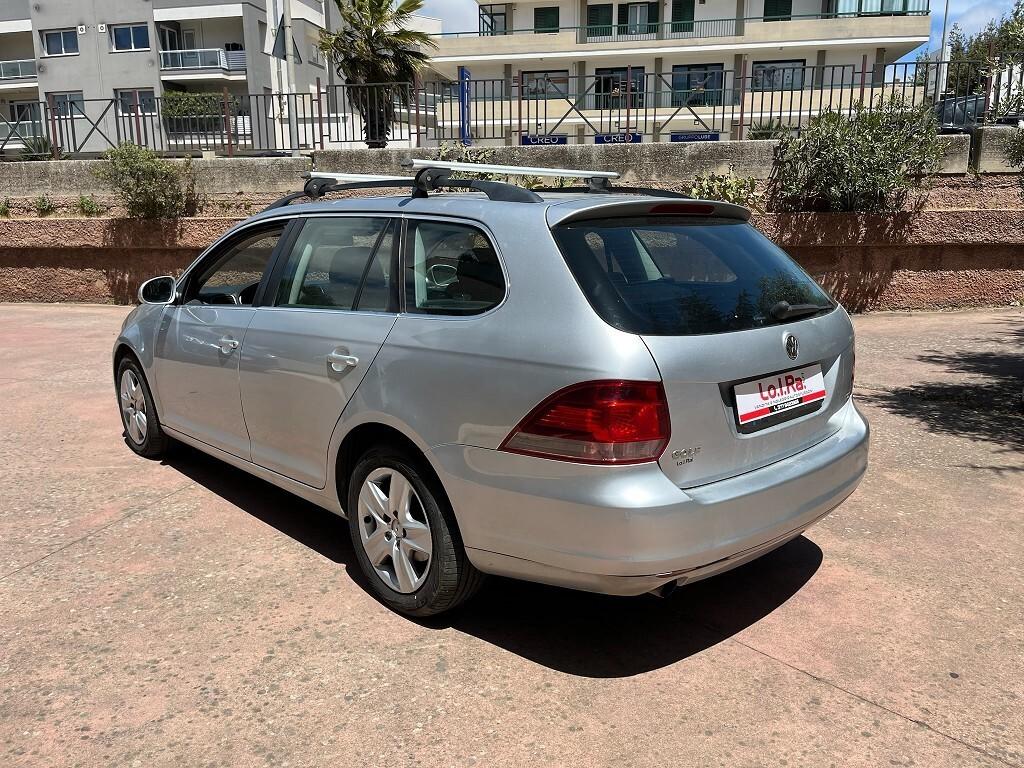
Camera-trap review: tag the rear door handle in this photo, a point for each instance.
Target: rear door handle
(227, 344)
(340, 361)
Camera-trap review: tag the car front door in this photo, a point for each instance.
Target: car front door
(197, 350)
(333, 303)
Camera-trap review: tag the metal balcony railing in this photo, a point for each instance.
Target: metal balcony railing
(203, 58)
(12, 70)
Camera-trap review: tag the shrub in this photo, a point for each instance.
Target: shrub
(5, 208)
(727, 187)
(87, 206)
(44, 205)
(458, 152)
(1013, 152)
(39, 148)
(876, 159)
(768, 129)
(149, 186)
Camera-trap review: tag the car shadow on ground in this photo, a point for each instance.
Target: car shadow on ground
(573, 632)
(987, 405)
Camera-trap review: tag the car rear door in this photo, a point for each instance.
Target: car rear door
(197, 349)
(331, 303)
(748, 381)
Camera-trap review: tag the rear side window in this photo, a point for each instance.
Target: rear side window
(451, 269)
(678, 276)
(339, 263)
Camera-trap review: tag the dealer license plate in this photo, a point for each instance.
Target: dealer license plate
(772, 395)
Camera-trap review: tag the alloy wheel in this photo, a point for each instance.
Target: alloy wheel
(394, 530)
(133, 407)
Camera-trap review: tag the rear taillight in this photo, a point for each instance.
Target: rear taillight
(597, 422)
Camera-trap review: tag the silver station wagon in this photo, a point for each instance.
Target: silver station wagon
(607, 389)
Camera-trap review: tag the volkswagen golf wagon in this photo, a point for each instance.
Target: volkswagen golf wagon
(609, 391)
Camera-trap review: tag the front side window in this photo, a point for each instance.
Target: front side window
(339, 263)
(233, 276)
(130, 37)
(60, 42)
(681, 276)
(451, 269)
(778, 75)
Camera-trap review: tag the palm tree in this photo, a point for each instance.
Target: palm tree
(377, 55)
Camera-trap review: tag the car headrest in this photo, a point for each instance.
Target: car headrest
(348, 263)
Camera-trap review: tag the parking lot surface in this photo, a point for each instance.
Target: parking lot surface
(183, 613)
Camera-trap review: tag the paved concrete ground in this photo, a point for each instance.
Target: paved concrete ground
(185, 614)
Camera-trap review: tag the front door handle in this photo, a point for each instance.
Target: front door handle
(340, 361)
(227, 344)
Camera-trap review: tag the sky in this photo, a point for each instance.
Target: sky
(972, 15)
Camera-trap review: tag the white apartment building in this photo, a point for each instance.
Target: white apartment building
(646, 70)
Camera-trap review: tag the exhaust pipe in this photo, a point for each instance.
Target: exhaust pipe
(665, 589)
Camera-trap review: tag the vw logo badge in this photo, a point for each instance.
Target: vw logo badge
(792, 347)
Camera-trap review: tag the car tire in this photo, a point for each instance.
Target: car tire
(379, 529)
(142, 430)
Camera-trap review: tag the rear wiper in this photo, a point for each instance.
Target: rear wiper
(786, 311)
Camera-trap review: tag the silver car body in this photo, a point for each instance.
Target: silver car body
(251, 385)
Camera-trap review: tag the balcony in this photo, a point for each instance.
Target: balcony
(24, 69)
(202, 63)
(869, 19)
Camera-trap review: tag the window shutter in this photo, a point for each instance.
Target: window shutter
(778, 10)
(682, 15)
(545, 19)
(599, 20)
(623, 18)
(653, 11)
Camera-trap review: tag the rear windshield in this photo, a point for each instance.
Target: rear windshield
(669, 275)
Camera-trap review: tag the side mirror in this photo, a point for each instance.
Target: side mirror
(158, 290)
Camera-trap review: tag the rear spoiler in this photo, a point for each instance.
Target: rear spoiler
(597, 209)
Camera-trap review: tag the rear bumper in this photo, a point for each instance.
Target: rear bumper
(628, 530)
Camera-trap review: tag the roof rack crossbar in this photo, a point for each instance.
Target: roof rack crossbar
(510, 170)
(618, 190)
(317, 186)
(431, 178)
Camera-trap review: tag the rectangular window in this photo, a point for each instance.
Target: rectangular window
(169, 39)
(545, 19)
(599, 20)
(638, 18)
(778, 10)
(619, 87)
(136, 101)
(493, 20)
(60, 42)
(451, 269)
(68, 104)
(130, 37)
(778, 75)
(682, 17)
(683, 275)
(698, 85)
(334, 264)
(548, 84)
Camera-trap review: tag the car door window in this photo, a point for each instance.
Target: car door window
(233, 275)
(335, 261)
(451, 269)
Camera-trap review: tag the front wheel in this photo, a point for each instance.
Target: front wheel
(405, 537)
(142, 429)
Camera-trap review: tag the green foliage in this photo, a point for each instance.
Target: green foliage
(87, 206)
(149, 186)
(39, 148)
(876, 160)
(5, 208)
(768, 129)
(44, 205)
(1013, 151)
(974, 57)
(192, 104)
(374, 47)
(727, 187)
(458, 152)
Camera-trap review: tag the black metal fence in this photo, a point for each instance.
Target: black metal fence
(623, 105)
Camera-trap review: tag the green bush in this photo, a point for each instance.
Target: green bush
(44, 206)
(87, 206)
(1013, 149)
(877, 159)
(5, 208)
(192, 104)
(149, 186)
(458, 152)
(39, 148)
(727, 187)
(768, 129)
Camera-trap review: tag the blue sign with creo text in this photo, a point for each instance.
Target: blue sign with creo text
(618, 138)
(543, 140)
